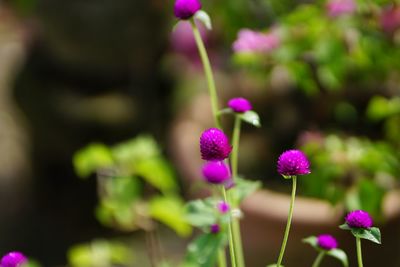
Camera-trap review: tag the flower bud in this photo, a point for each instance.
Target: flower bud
(239, 104)
(292, 163)
(216, 172)
(13, 259)
(185, 9)
(214, 145)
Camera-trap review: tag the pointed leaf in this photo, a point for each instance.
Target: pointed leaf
(225, 111)
(201, 212)
(344, 227)
(251, 117)
(275, 265)
(340, 255)
(92, 158)
(311, 240)
(373, 234)
(202, 16)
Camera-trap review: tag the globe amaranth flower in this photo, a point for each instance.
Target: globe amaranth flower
(13, 259)
(239, 104)
(223, 207)
(340, 7)
(359, 219)
(216, 172)
(214, 145)
(390, 19)
(214, 228)
(293, 162)
(327, 242)
(249, 41)
(185, 9)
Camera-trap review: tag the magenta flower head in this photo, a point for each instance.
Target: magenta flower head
(214, 228)
(359, 219)
(214, 145)
(216, 172)
(239, 104)
(249, 41)
(185, 9)
(327, 242)
(337, 8)
(13, 259)
(292, 163)
(223, 207)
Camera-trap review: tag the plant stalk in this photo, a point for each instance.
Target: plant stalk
(318, 259)
(289, 221)
(208, 73)
(230, 234)
(221, 258)
(235, 223)
(359, 253)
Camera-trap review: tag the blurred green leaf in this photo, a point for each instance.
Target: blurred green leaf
(379, 107)
(91, 158)
(311, 240)
(158, 173)
(99, 253)
(203, 251)
(244, 188)
(201, 212)
(170, 210)
(251, 117)
(340, 255)
(372, 234)
(202, 16)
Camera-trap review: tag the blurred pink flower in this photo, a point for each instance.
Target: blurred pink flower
(252, 41)
(182, 39)
(340, 7)
(390, 19)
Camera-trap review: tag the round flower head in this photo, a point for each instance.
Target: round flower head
(249, 41)
(185, 9)
(223, 207)
(327, 242)
(239, 104)
(13, 259)
(359, 219)
(214, 145)
(214, 228)
(340, 7)
(293, 162)
(216, 172)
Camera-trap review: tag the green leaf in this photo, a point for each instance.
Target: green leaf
(340, 255)
(372, 234)
(99, 253)
(202, 16)
(344, 227)
(275, 265)
(225, 111)
(203, 251)
(244, 188)
(91, 158)
(201, 212)
(311, 240)
(170, 210)
(158, 173)
(251, 117)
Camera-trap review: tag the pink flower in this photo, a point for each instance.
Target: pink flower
(340, 7)
(252, 41)
(390, 19)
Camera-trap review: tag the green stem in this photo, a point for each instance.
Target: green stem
(235, 224)
(359, 253)
(230, 234)
(318, 259)
(221, 258)
(208, 72)
(285, 238)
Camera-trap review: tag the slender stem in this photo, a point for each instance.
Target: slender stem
(235, 146)
(318, 259)
(237, 237)
(230, 235)
(359, 253)
(285, 238)
(208, 72)
(221, 258)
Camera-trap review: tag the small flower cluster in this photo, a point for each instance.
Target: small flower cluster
(13, 259)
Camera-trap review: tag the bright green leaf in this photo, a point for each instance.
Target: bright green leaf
(201, 212)
(372, 234)
(311, 240)
(170, 210)
(91, 158)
